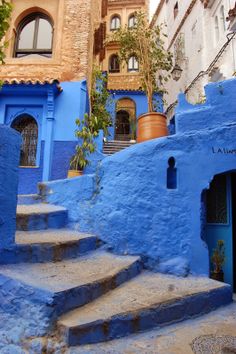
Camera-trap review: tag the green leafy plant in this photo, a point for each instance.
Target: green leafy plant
(100, 100)
(146, 44)
(80, 159)
(218, 256)
(98, 119)
(5, 15)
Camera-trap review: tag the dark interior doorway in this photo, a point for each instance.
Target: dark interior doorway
(122, 129)
(221, 222)
(233, 198)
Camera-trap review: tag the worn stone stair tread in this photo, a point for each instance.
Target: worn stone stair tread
(61, 276)
(50, 236)
(146, 301)
(40, 208)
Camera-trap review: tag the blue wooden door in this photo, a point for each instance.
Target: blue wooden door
(219, 221)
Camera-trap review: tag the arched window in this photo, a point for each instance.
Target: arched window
(34, 36)
(27, 127)
(132, 64)
(131, 21)
(222, 18)
(217, 30)
(115, 23)
(114, 65)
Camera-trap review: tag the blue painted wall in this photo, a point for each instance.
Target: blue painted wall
(131, 207)
(9, 157)
(55, 112)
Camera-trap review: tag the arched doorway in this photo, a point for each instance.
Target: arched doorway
(27, 126)
(220, 222)
(122, 131)
(125, 124)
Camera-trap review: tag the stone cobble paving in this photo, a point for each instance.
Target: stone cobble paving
(214, 333)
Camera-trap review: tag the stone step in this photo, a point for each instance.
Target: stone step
(40, 216)
(28, 199)
(49, 245)
(113, 146)
(62, 286)
(121, 142)
(147, 301)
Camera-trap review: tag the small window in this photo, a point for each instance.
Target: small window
(114, 65)
(217, 29)
(176, 9)
(222, 18)
(171, 174)
(28, 128)
(115, 23)
(131, 21)
(34, 36)
(132, 64)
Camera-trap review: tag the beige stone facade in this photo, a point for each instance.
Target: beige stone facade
(74, 22)
(124, 80)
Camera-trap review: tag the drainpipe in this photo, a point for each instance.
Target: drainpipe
(47, 158)
(232, 46)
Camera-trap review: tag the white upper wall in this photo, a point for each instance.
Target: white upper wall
(203, 33)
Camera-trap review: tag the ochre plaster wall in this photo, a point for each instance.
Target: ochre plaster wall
(124, 80)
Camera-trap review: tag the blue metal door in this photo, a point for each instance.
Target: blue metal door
(219, 221)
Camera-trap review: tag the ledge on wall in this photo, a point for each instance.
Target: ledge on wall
(220, 98)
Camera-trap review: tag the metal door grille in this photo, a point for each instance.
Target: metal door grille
(27, 126)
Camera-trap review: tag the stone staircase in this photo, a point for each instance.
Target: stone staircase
(112, 146)
(63, 281)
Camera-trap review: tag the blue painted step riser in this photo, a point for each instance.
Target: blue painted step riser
(28, 199)
(54, 220)
(161, 315)
(49, 252)
(71, 299)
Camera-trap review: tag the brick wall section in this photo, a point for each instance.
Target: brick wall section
(124, 82)
(74, 23)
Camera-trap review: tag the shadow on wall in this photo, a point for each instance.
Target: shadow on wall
(9, 159)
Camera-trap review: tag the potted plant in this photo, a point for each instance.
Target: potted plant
(88, 128)
(80, 159)
(218, 260)
(146, 44)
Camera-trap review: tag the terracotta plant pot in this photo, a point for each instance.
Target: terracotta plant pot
(151, 126)
(74, 173)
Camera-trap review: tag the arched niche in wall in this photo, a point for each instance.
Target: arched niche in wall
(27, 126)
(171, 174)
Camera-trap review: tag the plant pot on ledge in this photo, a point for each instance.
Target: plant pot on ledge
(151, 125)
(74, 173)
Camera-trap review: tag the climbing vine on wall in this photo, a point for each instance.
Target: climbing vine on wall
(5, 14)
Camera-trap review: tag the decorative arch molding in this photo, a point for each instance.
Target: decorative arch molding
(36, 112)
(24, 110)
(32, 10)
(127, 104)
